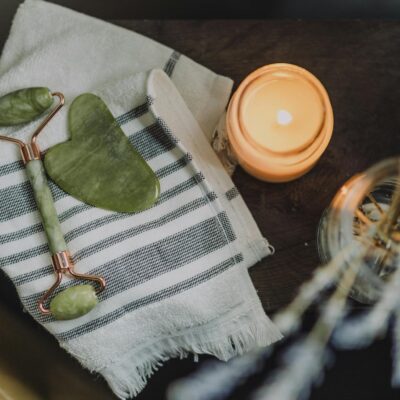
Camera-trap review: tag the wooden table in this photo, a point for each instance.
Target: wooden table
(358, 62)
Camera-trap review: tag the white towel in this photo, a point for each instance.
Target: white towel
(177, 280)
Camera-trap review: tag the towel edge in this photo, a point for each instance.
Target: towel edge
(129, 376)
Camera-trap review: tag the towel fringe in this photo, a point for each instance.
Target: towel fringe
(129, 376)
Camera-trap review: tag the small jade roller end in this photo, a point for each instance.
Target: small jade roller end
(73, 302)
(24, 105)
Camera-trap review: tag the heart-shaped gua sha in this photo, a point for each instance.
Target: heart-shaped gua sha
(98, 165)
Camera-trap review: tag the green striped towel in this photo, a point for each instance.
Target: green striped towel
(177, 280)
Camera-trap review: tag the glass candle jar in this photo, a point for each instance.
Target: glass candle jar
(361, 204)
(279, 122)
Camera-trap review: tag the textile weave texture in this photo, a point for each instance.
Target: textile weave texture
(177, 278)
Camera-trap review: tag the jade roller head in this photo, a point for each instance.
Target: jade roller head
(23, 106)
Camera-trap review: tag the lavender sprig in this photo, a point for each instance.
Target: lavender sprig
(305, 361)
(216, 381)
(362, 330)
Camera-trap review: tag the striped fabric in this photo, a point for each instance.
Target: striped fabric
(89, 231)
(177, 280)
(185, 241)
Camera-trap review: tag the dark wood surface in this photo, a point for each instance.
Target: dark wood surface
(358, 62)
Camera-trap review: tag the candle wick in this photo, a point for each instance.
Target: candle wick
(284, 117)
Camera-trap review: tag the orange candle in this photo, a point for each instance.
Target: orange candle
(279, 122)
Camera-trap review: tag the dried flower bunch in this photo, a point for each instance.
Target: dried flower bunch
(368, 263)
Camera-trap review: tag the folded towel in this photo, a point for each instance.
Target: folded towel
(177, 280)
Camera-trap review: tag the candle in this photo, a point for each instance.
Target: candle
(279, 122)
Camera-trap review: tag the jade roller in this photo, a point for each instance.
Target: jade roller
(20, 107)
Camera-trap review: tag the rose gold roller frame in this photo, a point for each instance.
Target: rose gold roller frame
(62, 262)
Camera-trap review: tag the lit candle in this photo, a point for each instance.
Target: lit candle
(279, 122)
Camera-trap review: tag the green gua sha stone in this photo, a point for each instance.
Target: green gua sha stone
(24, 105)
(73, 302)
(98, 165)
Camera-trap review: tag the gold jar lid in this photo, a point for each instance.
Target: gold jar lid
(279, 122)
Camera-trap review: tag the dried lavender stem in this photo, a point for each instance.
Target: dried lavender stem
(325, 325)
(361, 331)
(288, 319)
(389, 221)
(375, 203)
(363, 218)
(296, 376)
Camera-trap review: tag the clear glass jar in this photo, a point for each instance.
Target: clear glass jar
(360, 205)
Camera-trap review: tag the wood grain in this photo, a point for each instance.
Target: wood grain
(358, 62)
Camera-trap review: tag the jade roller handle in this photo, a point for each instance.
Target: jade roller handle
(76, 300)
(22, 106)
(45, 204)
